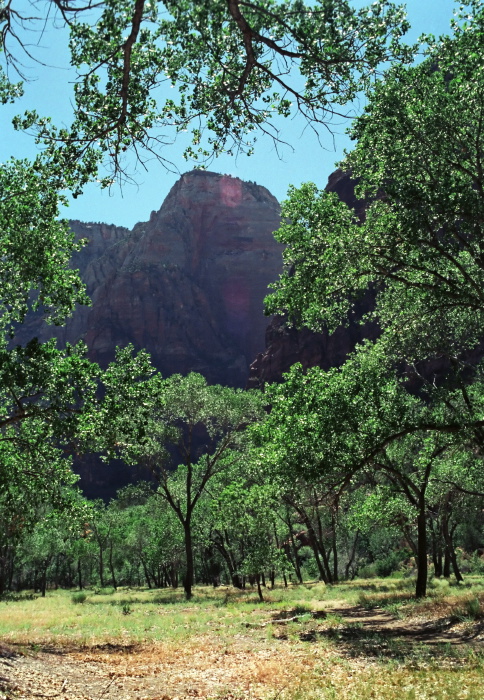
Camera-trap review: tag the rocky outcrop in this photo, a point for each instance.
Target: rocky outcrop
(188, 285)
(286, 345)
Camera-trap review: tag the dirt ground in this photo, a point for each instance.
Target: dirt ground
(247, 669)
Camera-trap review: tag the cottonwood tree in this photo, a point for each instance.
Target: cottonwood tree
(418, 156)
(190, 427)
(236, 64)
(330, 427)
(418, 249)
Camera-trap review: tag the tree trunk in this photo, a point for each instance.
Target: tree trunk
(436, 550)
(352, 556)
(297, 567)
(259, 589)
(437, 556)
(314, 546)
(334, 520)
(219, 543)
(101, 567)
(43, 581)
(147, 576)
(111, 567)
(322, 550)
(174, 576)
(422, 566)
(79, 574)
(450, 550)
(446, 562)
(188, 580)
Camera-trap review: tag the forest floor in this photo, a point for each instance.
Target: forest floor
(364, 639)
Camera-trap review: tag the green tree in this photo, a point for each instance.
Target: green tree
(418, 157)
(327, 428)
(236, 64)
(245, 528)
(190, 427)
(418, 251)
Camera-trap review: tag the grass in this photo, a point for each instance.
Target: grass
(315, 657)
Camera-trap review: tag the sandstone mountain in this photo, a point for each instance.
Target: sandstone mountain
(188, 285)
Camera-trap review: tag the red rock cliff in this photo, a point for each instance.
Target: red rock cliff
(188, 285)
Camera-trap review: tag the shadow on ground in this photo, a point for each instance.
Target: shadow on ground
(376, 633)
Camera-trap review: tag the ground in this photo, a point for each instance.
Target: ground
(374, 642)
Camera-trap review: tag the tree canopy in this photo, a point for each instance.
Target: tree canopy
(419, 249)
(235, 63)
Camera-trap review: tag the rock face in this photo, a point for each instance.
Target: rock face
(188, 285)
(285, 346)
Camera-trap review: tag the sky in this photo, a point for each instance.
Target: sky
(303, 159)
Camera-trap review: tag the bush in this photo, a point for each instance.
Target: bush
(79, 597)
(109, 590)
(471, 609)
(476, 564)
(384, 567)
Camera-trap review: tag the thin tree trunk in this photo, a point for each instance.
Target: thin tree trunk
(188, 581)
(147, 576)
(451, 550)
(111, 567)
(314, 546)
(422, 566)
(352, 555)
(436, 551)
(322, 550)
(101, 567)
(334, 520)
(43, 579)
(297, 567)
(79, 574)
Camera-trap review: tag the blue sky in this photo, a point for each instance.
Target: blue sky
(304, 160)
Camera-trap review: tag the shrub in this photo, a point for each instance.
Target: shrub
(79, 597)
(471, 609)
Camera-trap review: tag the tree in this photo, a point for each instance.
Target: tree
(418, 251)
(236, 64)
(418, 157)
(190, 428)
(328, 428)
